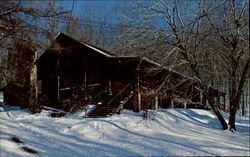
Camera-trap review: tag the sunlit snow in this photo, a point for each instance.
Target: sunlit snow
(171, 132)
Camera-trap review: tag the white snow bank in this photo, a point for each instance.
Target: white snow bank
(172, 132)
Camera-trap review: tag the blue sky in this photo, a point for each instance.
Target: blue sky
(101, 9)
(98, 8)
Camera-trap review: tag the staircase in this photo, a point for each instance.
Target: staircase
(112, 103)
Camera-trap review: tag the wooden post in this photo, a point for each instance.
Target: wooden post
(185, 105)
(202, 100)
(58, 80)
(172, 103)
(58, 88)
(138, 85)
(224, 102)
(156, 103)
(201, 97)
(139, 102)
(34, 76)
(110, 88)
(85, 77)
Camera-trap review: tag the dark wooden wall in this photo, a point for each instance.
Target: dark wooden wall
(77, 64)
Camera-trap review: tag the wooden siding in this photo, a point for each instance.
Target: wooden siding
(69, 63)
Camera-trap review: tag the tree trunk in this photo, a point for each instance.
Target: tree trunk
(236, 93)
(233, 110)
(217, 112)
(243, 105)
(234, 103)
(220, 117)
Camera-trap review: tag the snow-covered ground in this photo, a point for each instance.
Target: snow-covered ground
(171, 132)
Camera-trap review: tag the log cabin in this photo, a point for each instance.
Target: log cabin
(116, 82)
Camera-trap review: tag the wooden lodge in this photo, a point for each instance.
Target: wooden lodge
(113, 82)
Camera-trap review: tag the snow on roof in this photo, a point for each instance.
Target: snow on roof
(98, 50)
(59, 33)
(157, 64)
(150, 61)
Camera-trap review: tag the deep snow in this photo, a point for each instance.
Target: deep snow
(169, 132)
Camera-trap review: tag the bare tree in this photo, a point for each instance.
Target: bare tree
(19, 19)
(211, 37)
(93, 28)
(23, 21)
(22, 29)
(185, 34)
(232, 31)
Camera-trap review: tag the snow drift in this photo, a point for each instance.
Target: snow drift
(170, 132)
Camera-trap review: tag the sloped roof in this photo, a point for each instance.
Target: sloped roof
(61, 35)
(96, 49)
(106, 53)
(211, 89)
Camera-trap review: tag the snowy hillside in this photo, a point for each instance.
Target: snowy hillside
(171, 132)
